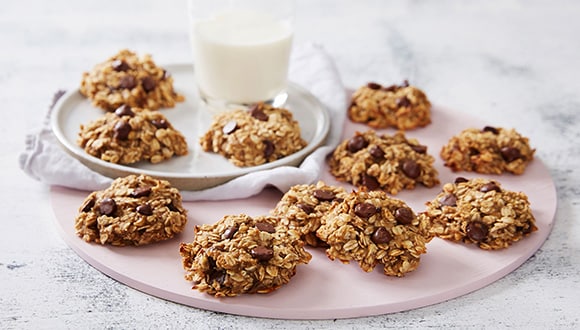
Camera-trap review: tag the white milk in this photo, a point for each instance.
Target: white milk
(241, 56)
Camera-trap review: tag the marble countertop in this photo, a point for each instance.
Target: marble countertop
(514, 63)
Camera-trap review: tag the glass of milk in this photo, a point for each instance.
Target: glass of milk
(241, 50)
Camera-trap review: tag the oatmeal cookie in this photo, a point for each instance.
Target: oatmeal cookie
(491, 150)
(371, 228)
(242, 254)
(391, 163)
(128, 79)
(129, 135)
(481, 212)
(134, 210)
(253, 137)
(403, 107)
(302, 207)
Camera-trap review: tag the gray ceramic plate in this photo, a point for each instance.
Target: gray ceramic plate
(197, 170)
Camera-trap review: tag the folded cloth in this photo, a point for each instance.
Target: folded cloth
(310, 66)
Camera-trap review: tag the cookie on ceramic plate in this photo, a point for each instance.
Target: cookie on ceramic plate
(127, 78)
(241, 254)
(371, 228)
(303, 206)
(256, 136)
(130, 135)
(491, 150)
(388, 162)
(402, 106)
(134, 210)
(479, 211)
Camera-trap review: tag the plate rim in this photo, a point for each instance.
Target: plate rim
(318, 140)
(509, 259)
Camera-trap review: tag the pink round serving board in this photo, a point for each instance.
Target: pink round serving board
(326, 289)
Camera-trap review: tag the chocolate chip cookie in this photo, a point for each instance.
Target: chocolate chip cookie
(242, 254)
(391, 163)
(253, 137)
(126, 78)
(400, 106)
(302, 207)
(481, 212)
(130, 135)
(134, 210)
(371, 228)
(491, 150)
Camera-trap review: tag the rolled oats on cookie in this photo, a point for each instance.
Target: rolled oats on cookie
(481, 212)
(127, 78)
(253, 137)
(302, 207)
(373, 229)
(400, 106)
(491, 150)
(242, 254)
(134, 210)
(130, 135)
(391, 163)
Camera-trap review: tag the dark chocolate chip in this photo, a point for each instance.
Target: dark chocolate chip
(172, 207)
(107, 207)
(509, 154)
(373, 85)
(365, 210)
(257, 112)
(490, 129)
(381, 236)
(477, 231)
(218, 276)
(120, 65)
(418, 148)
(265, 226)
(121, 130)
(489, 187)
(405, 83)
(127, 82)
(473, 151)
(88, 205)
(305, 207)
(460, 179)
(391, 88)
(377, 152)
(229, 232)
(370, 182)
(215, 274)
(448, 200)
(148, 83)
(323, 195)
(404, 216)
(141, 192)
(145, 209)
(230, 127)
(124, 110)
(403, 102)
(528, 229)
(410, 168)
(160, 123)
(357, 143)
(268, 149)
(262, 253)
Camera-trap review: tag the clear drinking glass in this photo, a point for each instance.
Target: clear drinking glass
(241, 50)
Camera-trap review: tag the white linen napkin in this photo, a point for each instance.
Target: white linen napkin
(310, 66)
